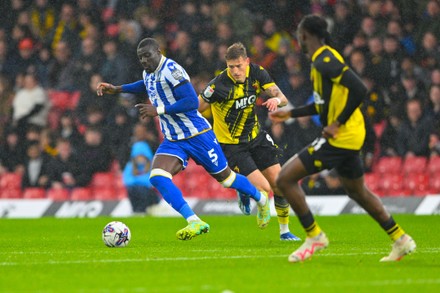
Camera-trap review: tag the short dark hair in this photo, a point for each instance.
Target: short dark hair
(317, 26)
(150, 42)
(236, 51)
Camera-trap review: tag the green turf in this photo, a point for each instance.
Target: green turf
(67, 255)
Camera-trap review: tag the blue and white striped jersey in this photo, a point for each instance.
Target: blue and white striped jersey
(160, 88)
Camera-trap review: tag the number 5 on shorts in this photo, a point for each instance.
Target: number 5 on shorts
(212, 155)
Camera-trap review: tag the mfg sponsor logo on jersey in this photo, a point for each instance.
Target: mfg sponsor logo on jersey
(245, 101)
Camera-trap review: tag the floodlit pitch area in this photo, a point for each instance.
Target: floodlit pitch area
(68, 255)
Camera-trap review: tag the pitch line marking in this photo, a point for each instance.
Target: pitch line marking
(196, 258)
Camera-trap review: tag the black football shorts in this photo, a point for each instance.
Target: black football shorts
(320, 155)
(260, 153)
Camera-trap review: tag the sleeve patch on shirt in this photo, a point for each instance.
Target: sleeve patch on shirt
(177, 74)
(208, 92)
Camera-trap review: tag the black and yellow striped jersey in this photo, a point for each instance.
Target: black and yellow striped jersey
(331, 97)
(233, 104)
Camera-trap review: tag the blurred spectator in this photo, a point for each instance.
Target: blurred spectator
(65, 167)
(43, 18)
(35, 167)
(129, 35)
(394, 28)
(182, 52)
(359, 43)
(115, 67)
(392, 58)
(67, 129)
(87, 63)
(30, 105)
(66, 29)
(90, 100)
(48, 142)
(358, 62)
(388, 140)
(6, 61)
(150, 23)
(188, 20)
(374, 104)
(23, 62)
(375, 60)
(428, 53)
(6, 97)
(136, 177)
(12, 152)
(206, 63)
(147, 133)
(368, 26)
(119, 131)
(60, 69)
(298, 90)
(433, 110)
(435, 77)
(94, 155)
(346, 25)
(260, 53)
(429, 20)
(224, 33)
(43, 61)
(413, 135)
(274, 37)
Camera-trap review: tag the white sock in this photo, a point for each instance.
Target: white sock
(262, 201)
(284, 228)
(193, 218)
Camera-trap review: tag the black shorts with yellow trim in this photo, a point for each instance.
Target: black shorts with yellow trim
(258, 154)
(321, 155)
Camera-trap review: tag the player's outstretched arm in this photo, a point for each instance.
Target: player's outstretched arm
(107, 88)
(276, 98)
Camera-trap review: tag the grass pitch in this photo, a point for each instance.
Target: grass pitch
(68, 255)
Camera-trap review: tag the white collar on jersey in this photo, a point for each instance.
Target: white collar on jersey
(162, 60)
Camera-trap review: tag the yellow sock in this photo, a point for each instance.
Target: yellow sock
(282, 213)
(313, 230)
(395, 232)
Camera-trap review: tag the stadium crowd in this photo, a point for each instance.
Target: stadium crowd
(56, 133)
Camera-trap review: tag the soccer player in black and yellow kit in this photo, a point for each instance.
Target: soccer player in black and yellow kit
(249, 149)
(338, 92)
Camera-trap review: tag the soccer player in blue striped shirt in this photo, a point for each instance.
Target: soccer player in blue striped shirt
(186, 135)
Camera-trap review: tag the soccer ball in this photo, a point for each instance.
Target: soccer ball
(116, 234)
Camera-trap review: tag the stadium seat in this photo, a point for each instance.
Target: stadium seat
(121, 193)
(414, 165)
(63, 100)
(391, 184)
(434, 165)
(59, 99)
(389, 165)
(104, 193)
(180, 180)
(372, 181)
(416, 183)
(118, 181)
(58, 194)
(434, 183)
(103, 179)
(10, 181)
(10, 193)
(81, 193)
(34, 192)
